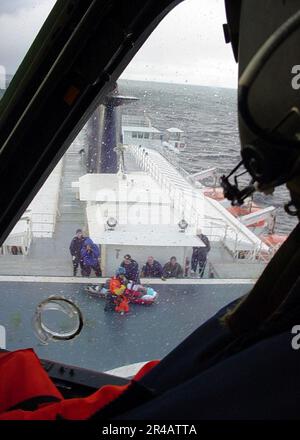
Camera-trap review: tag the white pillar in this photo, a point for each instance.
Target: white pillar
(103, 260)
(2, 337)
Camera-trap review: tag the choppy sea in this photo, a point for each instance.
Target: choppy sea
(208, 117)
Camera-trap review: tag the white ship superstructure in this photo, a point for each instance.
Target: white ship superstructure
(150, 207)
(141, 209)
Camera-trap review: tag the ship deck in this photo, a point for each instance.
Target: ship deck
(51, 257)
(109, 340)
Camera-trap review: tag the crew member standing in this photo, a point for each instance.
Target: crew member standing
(75, 250)
(200, 254)
(90, 258)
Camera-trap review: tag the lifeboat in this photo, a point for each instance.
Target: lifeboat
(239, 211)
(274, 240)
(214, 193)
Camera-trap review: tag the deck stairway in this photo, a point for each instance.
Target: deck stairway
(50, 256)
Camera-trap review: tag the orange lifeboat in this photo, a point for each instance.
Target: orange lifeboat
(239, 211)
(214, 193)
(273, 240)
(236, 211)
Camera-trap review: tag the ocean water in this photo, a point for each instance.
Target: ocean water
(208, 117)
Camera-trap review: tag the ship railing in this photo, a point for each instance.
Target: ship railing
(19, 241)
(265, 256)
(217, 230)
(43, 224)
(233, 237)
(214, 231)
(174, 159)
(136, 121)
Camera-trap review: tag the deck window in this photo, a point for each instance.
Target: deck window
(140, 135)
(134, 134)
(146, 135)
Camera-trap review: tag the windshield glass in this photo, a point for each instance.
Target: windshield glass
(20, 21)
(132, 225)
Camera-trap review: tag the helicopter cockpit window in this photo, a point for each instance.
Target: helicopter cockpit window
(132, 225)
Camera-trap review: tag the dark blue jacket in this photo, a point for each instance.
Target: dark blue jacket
(200, 253)
(132, 271)
(90, 257)
(76, 246)
(154, 271)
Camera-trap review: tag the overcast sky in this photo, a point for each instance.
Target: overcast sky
(187, 47)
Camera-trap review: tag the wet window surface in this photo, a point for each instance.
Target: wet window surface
(132, 225)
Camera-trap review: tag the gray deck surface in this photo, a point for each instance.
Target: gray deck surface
(109, 340)
(130, 163)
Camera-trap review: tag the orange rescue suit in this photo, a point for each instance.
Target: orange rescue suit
(114, 284)
(23, 380)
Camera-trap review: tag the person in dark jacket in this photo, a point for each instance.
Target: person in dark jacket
(200, 254)
(90, 258)
(172, 269)
(131, 269)
(75, 250)
(152, 269)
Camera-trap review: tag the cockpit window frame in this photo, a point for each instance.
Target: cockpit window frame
(64, 76)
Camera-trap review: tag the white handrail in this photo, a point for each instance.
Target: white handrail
(231, 237)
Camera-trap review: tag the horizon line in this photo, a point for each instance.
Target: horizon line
(177, 83)
(163, 82)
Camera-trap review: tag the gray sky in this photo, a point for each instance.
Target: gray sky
(187, 47)
(20, 20)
